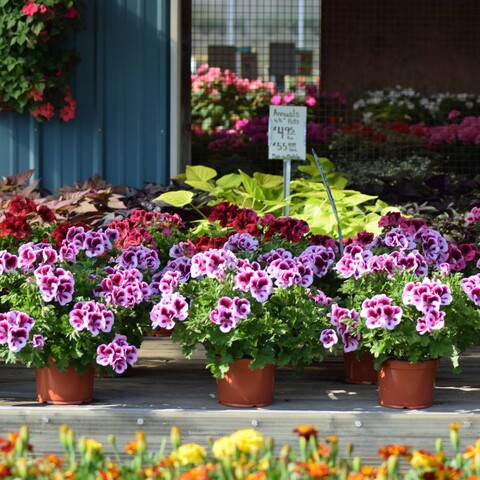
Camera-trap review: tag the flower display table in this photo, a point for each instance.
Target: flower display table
(165, 389)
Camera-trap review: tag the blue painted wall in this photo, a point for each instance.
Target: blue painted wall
(121, 129)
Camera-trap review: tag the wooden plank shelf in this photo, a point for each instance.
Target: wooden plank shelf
(165, 389)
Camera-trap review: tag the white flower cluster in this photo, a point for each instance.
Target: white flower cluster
(408, 100)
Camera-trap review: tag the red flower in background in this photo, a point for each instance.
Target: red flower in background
(46, 214)
(21, 206)
(206, 242)
(30, 8)
(16, 226)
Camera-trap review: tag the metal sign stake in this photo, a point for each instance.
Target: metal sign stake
(287, 173)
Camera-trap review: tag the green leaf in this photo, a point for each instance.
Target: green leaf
(232, 180)
(179, 198)
(252, 187)
(268, 181)
(200, 173)
(200, 185)
(357, 199)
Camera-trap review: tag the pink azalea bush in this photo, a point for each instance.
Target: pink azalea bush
(407, 294)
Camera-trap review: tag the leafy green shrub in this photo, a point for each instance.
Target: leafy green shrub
(264, 193)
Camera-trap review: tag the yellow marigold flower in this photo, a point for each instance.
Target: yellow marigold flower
(247, 440)
(264, 464)
(471, 450)
(222, 448)
(189, 454)
(93, 446)
(426, 460)
(306, 431)
(368, 471)
(256, 476)
(332, 439)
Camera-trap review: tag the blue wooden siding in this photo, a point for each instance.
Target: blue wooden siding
(121, 129)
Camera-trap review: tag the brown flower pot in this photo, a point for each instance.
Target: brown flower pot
(243, 387)
(359, 370)
(407, 385)
(64, 388)
(160, 332)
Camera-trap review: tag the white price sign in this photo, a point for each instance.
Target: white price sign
(287, 131)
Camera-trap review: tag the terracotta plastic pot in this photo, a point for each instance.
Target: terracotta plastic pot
(243, 387)
(359, 370)
(407, 385)
(64, 388)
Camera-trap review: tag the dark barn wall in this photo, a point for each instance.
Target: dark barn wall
(430, 45)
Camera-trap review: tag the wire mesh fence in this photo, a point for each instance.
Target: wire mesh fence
(392, 88)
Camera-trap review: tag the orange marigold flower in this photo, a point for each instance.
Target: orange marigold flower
(8, 444)
(201, 472)
(314, 470)
(389, 450)
(333, 439)
(368, 471)
(306, 431)
(53, 459)
(5, 471)
(323, 450)
(446, 472)
(111, 473)
(131, 447)
(454, 426)
(355, 476)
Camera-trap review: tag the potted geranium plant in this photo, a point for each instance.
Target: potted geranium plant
(252, 292)
(78, 303)
(405, 298)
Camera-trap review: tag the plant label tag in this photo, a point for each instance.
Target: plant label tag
(287, 132)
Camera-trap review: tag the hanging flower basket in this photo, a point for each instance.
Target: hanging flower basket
(37, 67)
